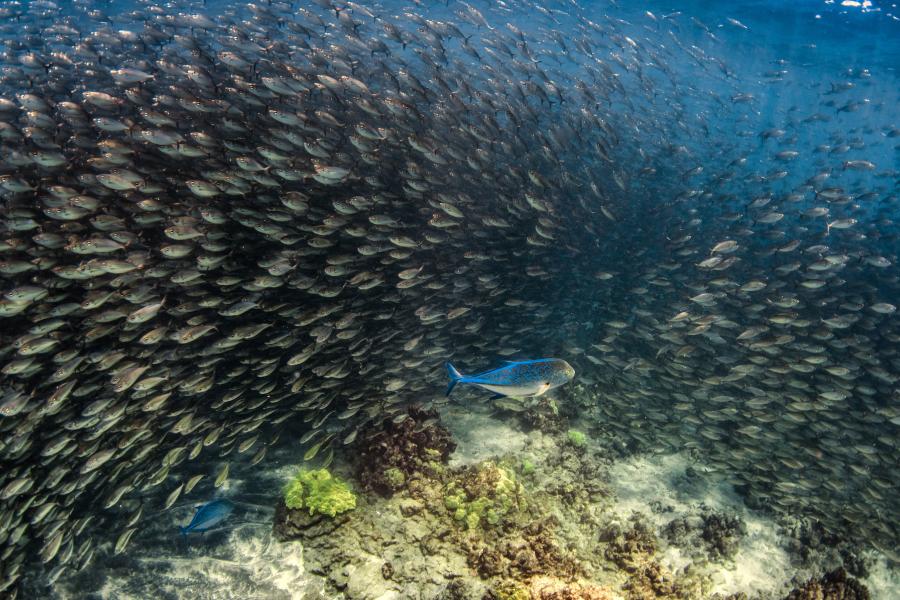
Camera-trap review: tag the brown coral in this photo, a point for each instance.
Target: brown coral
(633, 547)
(544, 416)
(716, 534)
(520, 553)
(394, 454)
(836, 585)
(633, 551)
(548, 588)
(650, 580)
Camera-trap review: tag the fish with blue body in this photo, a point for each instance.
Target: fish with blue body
(518, 378)
(208, 516)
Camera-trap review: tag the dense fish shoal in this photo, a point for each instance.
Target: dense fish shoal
(221, 222)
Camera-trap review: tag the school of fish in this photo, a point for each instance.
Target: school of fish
(220, 220)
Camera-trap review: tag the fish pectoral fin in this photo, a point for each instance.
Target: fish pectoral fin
(498, 395)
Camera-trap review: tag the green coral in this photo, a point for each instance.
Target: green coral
(293, 493)
(527, 467)
(320, 492)
(483, 496)
(395, 478)
(577, 438)
(511, 590)
(554, 408)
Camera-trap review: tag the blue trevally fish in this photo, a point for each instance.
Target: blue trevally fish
(518, 378)
(208, 516)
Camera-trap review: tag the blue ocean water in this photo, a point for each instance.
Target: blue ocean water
(627, 174)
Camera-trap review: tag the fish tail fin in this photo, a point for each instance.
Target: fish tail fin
(455, 377)
(184, 532)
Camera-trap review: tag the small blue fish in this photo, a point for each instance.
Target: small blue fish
(518, 378)
(208, 516)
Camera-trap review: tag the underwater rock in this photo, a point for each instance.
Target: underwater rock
(505, 531)
(459, 589)
(580, 472)
(386, 548)
(291, 524)
(509, 590)
(836, 585)
(387, 458)
(410, 507)
(336, 549)
(367, 580)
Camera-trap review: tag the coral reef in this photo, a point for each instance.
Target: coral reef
(388, 458)
(721, 534)
(836, 585)
(510, 590)
(576, 438)
(319, 492)
(652, 580)
(520, 553)
(469, 526)
(633, 550)
(547, 588)
(810, 544)
(541, 524)
(389, 548)
(714, 534)
(483, 495)
(544, 416)
(630, 547)
(458, 589)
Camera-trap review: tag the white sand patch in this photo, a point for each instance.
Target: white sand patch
(883, 580)
(279, 564)
(244, 563)
(760, 565)
(480, 436)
